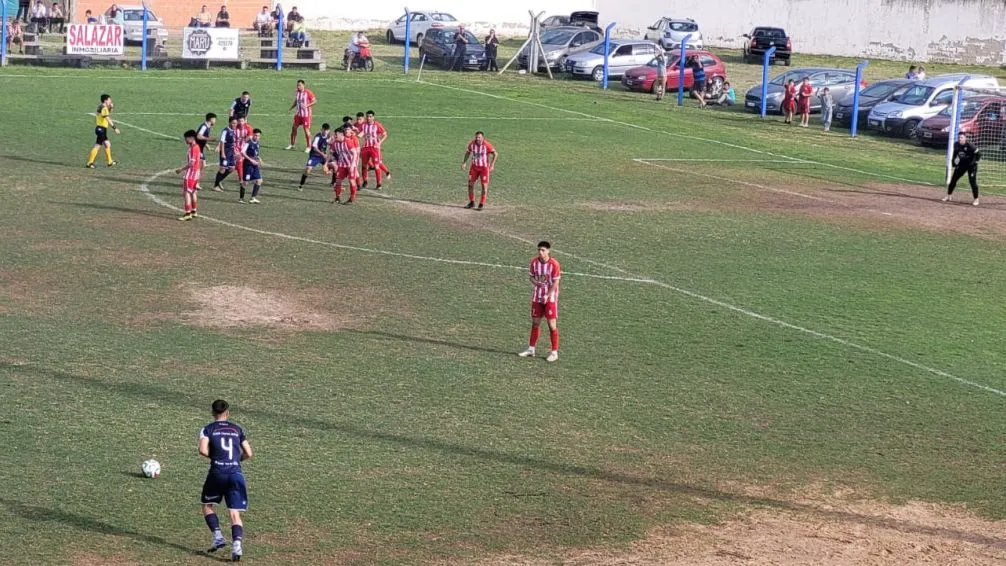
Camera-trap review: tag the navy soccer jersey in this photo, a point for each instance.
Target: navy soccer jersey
(225, 446)
(320, 143)
(228, 138)
(205, 130)
(241, 107)
(251, 170)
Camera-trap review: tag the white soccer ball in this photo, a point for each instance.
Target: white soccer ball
(151, 469)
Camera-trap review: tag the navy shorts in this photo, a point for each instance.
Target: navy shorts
(252, 172)
(227, 160)
(315, 160)
(229, 488)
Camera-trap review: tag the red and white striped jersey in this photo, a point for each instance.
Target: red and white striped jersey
(303, 98)
(480, 153)
(195, 163)
(544, 274)
(243, 134)
(343, 154)
(372, 134)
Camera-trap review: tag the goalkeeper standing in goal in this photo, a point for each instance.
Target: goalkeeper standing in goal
(966, 157)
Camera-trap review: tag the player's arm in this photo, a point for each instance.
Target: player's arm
(311, 101)
(246, 451)
(188, 165)
(464, 161)
(356, 157)
(553, 290)
(107, 114)
(492, 162)
(383, 136)
(204, 446)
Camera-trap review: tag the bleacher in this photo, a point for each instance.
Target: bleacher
(263, 51)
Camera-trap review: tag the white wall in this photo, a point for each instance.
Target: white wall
(508, 18)
(963, 31)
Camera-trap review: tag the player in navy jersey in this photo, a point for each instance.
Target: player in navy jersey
(251, 154)
(203, 134)
(319, 151)
(224, 443)
(241, 106)
(226, 148)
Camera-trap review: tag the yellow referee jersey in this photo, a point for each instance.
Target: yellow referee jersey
(101, 116)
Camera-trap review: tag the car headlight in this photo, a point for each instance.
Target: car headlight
(895, 114)
(946, 130)
(552, 55)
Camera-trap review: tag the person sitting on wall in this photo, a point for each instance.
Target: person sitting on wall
(15, 35)
(298, 33)
(263, 22)
(293, 16)
(39, 16)
(56, 18)
(223, 18)
(114, 15)
(203, 19)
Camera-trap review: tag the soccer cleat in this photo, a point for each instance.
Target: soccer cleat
(112, 163)
(350, 201)
(195, 214)
(552, 356)
(479, 206)
(364, 185)
(255, 201)
(975, 203)
(529, 353)
(471, 204)
(218, 543)
(186, 216)
(89, 166)
(947, 198)
(335, 201)
(241, 201)
(218, 189)
(289, 147)
(387, 175)
(377, 188)
(236, 551)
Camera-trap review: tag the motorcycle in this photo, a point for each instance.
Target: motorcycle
(362, 60)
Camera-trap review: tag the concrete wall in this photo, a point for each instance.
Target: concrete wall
(961, 31)
(177, 13)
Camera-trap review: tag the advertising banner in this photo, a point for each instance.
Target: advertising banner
(95, 39)
(210, 43)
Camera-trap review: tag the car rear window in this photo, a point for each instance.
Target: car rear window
(770, 33)
(442, 17)
(684, 26)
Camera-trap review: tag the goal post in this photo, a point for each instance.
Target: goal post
(980, 113)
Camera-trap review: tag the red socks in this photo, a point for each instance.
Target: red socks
(471, 194)
(338, 192)
(554, 336)
(535, 332)
(352, 191)
(377, 173)
(482, 199)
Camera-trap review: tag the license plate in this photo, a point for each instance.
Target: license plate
(749, 104)
(927, 134)
(840, 115)
(473, 60)
(875, 122)
(628, 82)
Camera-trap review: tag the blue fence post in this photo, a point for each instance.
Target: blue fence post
(408, 42)
(955, 124)
(607, 54)
(143, 40)
(681, 69)
(3, 33)
(766, 60)
(855, 96)
(280, 25)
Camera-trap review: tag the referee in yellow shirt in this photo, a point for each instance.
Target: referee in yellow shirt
(102, 123)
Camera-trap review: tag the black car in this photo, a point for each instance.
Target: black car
(438, 47)
(761, 39)
(579, 19)
(876, 93)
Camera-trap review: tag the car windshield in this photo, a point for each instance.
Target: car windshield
(557, 36)
(796, 76)
(441, 17)
(968, 111)
(915, 96)
(137, 16)
(879, 90)
(684, 26)
(599, 50)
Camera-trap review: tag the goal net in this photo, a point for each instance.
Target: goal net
(981, 114)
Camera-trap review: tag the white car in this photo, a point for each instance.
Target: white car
(132, 24)
(922, 100)
(668, 32)
(421, 21)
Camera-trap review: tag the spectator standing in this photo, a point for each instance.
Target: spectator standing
(789, 102)
(89, 18)
(661, 81)
(39, 15)
(23, 10)
(56, 17)
(803, 101)
(921, 75)
(492, 47)
(698, 81)
(912, 73)
(15, 34)
(460, 45)
(827, 107)
(223, 18)
(263, 22)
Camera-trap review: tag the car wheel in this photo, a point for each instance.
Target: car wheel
(715, 88)
(391, 37)
(786, 61)
(597, 74)
(421, 54)
(911, 129)
(419, 38)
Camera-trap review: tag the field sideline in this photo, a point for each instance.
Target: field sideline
(759, 324)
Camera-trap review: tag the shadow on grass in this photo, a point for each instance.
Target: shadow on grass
(430, 341)
(40, 161)
(115, 209)
(38, 514)
(148, 392)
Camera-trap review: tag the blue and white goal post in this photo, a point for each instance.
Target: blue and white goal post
(980, 113)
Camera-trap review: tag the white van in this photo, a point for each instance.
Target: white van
(922, 100)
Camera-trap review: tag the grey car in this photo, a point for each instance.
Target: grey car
(559, 43)
(840, 83)
(623, 54)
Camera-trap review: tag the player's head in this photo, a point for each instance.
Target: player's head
(346, 120)
(325, 127)
(245, 96)
(962, 137)
(233, 122)
(242, 121)
(190, 137)
(106, 99)
(480, 136)
(300, 85)
(256, 134)
(370, 115)
(221, 409)
(211, 118)
(544, 249)
(340, 134)
(360, 116)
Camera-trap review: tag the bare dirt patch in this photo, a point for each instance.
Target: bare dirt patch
(236, 306)
(455, 215)
(634, 206)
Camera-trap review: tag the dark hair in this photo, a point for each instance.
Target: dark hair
(480, 132)
(359, 114)
(220, 407)
(325, 126)
(210, 116)
(256, 131)
(912, 68)
(340, 130)
(105, 97)
(233, 119)
(300, 81)
(544, 244)
(245, 92)
(189, 134)
(346, 119)
(370, 113)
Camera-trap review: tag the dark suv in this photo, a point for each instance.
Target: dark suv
(438, 47)
(761, 38)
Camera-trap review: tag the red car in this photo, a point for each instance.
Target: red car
(983, 116)
(642, 78)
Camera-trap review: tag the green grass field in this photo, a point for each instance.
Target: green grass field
(755, 321)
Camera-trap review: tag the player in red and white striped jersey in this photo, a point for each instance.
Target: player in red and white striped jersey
(345, 159)
(193, 170)
(374, 135)
(303, 100)
(242, 134)
(544, 275)
(483, 156)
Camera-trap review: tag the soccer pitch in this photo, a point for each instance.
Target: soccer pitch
(754, 318)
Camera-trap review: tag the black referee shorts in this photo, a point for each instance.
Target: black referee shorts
(100, 135)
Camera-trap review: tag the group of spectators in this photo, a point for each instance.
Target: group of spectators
(266, 21)
(699, 91)
(461, 42)
(204, 19)
(40, 17)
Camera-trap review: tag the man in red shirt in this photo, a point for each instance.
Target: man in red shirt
(243, 133)
(303, 100)
(193, 170)
(480, 151)
(344, 158)
(544, 275)
(374, 135)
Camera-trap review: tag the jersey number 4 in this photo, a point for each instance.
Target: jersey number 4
(228, 445)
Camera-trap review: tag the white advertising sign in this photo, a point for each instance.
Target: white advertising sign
(96, 39)
(210, 43)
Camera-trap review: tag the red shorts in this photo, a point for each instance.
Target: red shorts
(343, 173)
(299, 121)
(478, 174)
(549, 311)
(370, 156)
(189, 186)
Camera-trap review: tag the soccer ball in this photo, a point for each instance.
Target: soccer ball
(151, 469)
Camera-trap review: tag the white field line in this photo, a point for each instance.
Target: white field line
(726, 180)
(628, 277)
(383, 117)
(690, 137)
(154, 76)
(700, 160)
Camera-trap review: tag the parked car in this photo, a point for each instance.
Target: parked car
(422, 21)
(438, 47)
(876, 93)
(984, 116)
(924, 99)
(761, 38)
(668, 33)
(623, 54)
(644, 78)
(579, 19)
(559, 43)
(840, 82)
(132, 24)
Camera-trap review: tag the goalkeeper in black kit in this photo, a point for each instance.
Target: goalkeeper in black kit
(966, 157)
